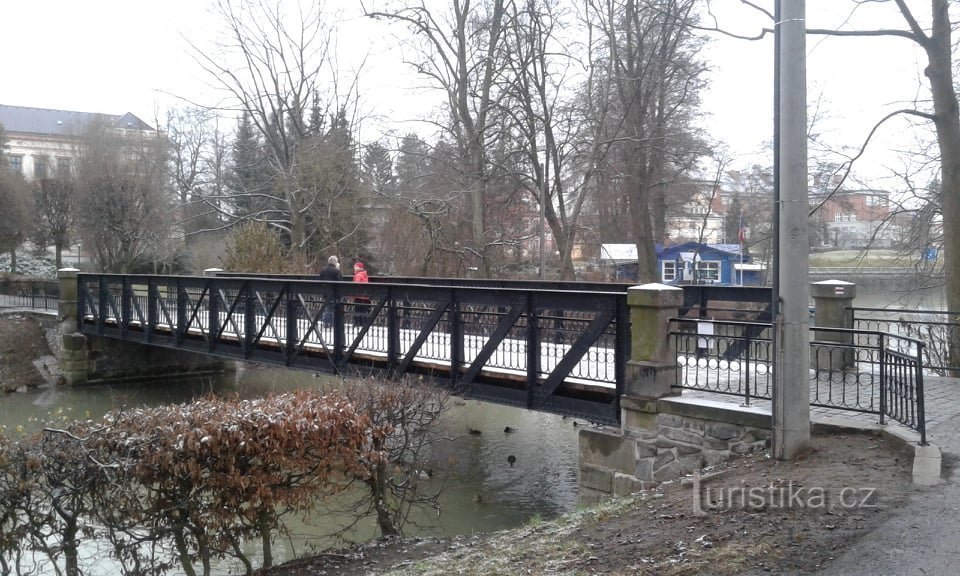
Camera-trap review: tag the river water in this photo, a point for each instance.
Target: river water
(480, 490)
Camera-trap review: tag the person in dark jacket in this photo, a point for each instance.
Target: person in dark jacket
(330, 272)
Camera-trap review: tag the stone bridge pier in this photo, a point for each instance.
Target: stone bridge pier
(91, 359)
(661, 437)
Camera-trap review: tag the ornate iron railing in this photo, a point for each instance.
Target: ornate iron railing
(36, 294)
(932, 327)
(854, 370)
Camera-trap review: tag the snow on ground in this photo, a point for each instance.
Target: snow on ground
(30, 263)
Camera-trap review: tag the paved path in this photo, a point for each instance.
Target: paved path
(923, 537)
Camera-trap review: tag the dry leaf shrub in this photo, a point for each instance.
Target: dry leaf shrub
(180, 484)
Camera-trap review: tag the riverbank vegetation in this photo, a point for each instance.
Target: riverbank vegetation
(180, 487)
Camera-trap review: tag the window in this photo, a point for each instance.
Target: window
(16, 163)
(39, 167)
(669, 271)
(708, 270)
(63, 167)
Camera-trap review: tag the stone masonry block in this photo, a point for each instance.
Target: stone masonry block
(715, 457)
(607, 450)
(722, 430)
(714, 444)
(637, 423)
(684, 436)
(670, 471)
(75, 341)
(626, 484)
(671, 420)
(646, 449)
(664, 458)
(596, 478)
(591, 497)
(644, 469)
(691, 462)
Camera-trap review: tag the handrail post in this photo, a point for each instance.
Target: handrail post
(126, 306)
(921, 409)
(292, 335)
(393, 331)
(747, 345)
(153, 300)
(249, 318)
(882, 356)
(213, 313)
(533, 348)
(339, 336)
(181, 331)
(103, 295)
(456, 338)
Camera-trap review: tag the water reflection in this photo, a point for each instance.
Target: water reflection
(480, 490)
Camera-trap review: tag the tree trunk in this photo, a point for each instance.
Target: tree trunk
(263, 522)
(947, 120)
(71, 558)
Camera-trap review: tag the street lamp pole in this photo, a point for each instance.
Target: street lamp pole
(791, 393)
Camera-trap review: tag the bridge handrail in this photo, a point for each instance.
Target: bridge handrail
(461, 332)
(735, 357)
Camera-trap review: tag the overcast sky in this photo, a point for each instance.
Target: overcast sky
(115, 56)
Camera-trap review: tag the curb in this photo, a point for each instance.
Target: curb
(927, 459)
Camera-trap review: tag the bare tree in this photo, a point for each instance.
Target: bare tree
(555, 165)
(273, 61)
(55, 200)
(124, 209)
(656, 74)
(197, 167)
(15, 224)
(459, 52)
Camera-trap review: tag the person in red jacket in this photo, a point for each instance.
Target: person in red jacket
(360, 303)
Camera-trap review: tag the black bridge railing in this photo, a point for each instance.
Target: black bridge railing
(553, 350)
(855, 370)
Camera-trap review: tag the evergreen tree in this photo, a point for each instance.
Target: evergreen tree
(378, 171)
(248, 177)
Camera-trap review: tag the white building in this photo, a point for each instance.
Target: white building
(42, 143)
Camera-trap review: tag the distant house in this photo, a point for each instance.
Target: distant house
(856, 219)
(687, 263)
(42, 143)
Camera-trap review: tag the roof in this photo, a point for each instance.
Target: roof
(618, 252)
(48, 122)
(713, 249)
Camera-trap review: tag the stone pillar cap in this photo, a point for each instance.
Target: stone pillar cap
(68, 269)
(656, 286)
(835, 283)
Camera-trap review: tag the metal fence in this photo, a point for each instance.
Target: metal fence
(932, 327)
(852, 370)
(36, 294)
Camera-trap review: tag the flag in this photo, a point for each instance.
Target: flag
(741, 231)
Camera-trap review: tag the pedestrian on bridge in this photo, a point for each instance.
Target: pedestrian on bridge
(330, 272)
(360, 303)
